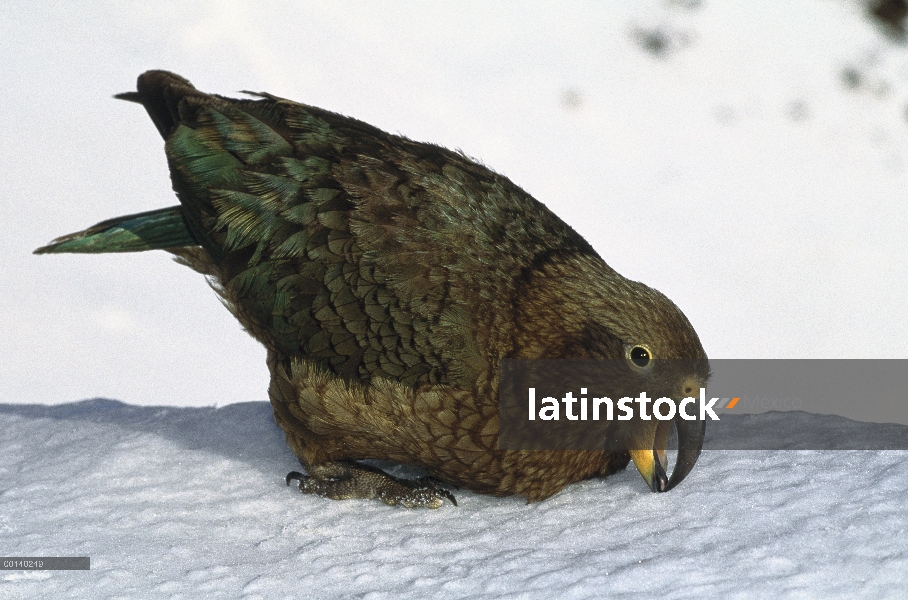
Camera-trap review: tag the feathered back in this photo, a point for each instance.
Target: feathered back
(367, 252)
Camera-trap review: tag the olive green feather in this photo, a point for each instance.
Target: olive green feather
(152, 230)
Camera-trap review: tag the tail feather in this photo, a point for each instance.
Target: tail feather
(153, 230)
(168, 98)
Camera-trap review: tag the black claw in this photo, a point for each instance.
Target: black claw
(436, 485)
(296, 476)
(449, 496)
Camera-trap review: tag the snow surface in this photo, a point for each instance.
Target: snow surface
(191, 502)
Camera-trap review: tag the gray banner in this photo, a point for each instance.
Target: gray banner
(757, 404)
(45, 563)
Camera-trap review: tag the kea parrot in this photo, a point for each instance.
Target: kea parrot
(388, 279)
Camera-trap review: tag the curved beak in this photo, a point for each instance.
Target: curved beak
(651, 462)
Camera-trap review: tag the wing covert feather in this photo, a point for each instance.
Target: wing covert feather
(369, 254)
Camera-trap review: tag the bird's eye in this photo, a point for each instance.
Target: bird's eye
(640, 356)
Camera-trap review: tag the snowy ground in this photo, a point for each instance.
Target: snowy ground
(191, 502)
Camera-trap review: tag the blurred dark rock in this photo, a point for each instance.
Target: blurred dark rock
(890, 15)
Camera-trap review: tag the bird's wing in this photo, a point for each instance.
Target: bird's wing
(367, 253)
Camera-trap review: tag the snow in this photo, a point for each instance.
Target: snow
(753, 169)
(186, 502)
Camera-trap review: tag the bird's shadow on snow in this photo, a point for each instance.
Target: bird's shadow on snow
(247, 432)
(799, 430)
(244, 432)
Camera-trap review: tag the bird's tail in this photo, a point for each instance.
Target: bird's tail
(153, 230)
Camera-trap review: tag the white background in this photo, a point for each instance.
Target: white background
(735, 172)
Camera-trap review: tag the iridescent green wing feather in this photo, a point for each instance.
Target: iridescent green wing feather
(365, 252)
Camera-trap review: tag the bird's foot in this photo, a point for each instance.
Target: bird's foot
(344, 480)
